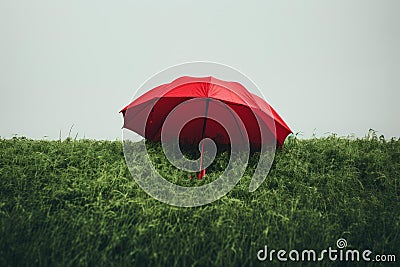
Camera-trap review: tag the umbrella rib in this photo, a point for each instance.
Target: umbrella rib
(160, 127)
(237, 123)
(145, 106)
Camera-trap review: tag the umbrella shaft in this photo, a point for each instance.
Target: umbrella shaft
(203, 133)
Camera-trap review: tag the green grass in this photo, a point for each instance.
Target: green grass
(74, 203)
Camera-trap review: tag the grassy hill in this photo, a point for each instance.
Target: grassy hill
(71, 203)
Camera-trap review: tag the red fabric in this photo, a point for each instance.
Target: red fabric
(147, 113)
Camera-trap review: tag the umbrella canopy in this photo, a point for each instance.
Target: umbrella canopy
(211, 98)
(147, 113)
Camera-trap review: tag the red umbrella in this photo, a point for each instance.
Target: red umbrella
(212, 98)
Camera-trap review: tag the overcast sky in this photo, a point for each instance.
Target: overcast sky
(325, 66)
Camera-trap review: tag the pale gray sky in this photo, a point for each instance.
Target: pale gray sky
(332, 66)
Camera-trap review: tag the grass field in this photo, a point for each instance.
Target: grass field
(74, 203)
